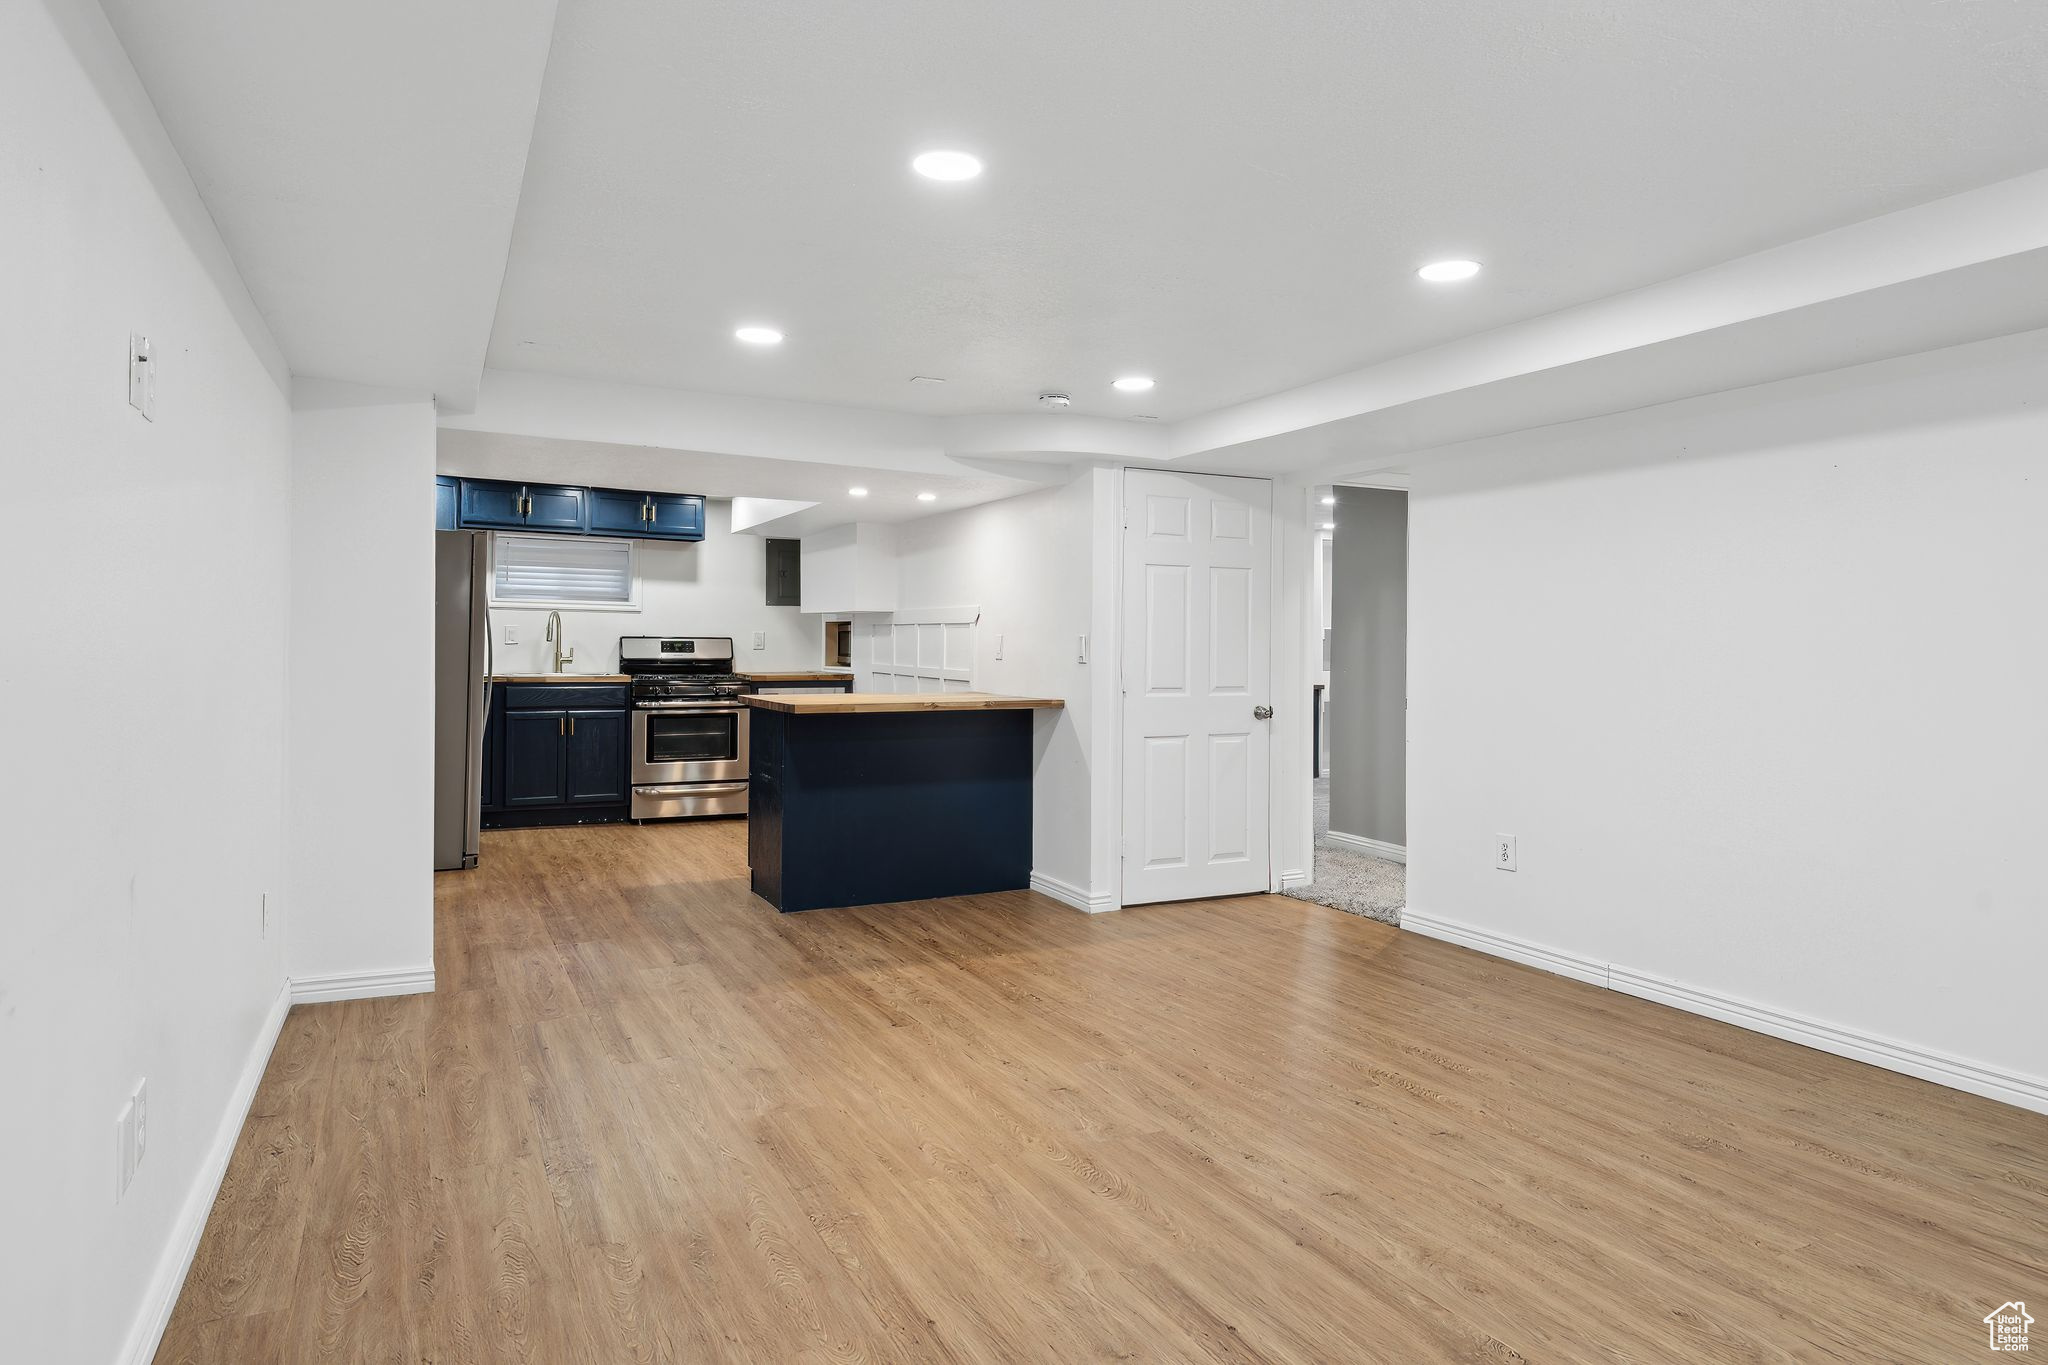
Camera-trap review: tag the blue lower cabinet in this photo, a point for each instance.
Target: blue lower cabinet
(533, 758)
(445, 500)
(860, 809)
(559, 764)
(594, 766)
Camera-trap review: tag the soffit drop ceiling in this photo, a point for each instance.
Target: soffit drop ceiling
(362, 161)
(1229, 197)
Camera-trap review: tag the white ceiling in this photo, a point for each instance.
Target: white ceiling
(1229, 197)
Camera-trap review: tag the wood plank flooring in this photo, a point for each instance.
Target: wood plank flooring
(644, 1118)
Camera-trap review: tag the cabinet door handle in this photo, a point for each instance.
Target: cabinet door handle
(572, 725)
(561, 726)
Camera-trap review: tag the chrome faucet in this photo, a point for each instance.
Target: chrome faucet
(563, 657)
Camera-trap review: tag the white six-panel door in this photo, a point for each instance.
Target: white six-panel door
(1197, 662)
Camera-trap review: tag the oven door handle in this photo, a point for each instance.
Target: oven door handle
(692, 789)
(690, 708)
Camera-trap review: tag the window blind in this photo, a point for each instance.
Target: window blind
(579, 570)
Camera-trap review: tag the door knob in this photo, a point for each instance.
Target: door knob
(1262, 713)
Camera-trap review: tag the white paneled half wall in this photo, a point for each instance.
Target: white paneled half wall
(930, 649)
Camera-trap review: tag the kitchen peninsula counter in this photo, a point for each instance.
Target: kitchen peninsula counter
(861, 798)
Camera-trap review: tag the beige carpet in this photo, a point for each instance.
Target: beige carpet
(1356, 883)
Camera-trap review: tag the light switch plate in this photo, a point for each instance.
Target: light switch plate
(141, 377)
(760, 639)
(1504, 852)
(999, 649)
(124, 1149)
(511, 634)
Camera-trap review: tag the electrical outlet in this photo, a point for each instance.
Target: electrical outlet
(760, 639)
(511, 634)
(141, 377)
(999, 649)
(1081, 654)
(1504, 852)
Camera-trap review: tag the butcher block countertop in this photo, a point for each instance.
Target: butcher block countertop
(559, 678)
(881, 703)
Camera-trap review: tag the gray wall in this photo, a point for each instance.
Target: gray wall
(1368, 706)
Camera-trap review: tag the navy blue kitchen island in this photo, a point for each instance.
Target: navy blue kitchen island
(863, 798)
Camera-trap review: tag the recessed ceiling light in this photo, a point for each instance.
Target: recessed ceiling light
(759, 336)
(1133, 383)
(926, 379)
(856, 492)
(1330, 502)
(1448, 272)
(927, 497)
(946, 165)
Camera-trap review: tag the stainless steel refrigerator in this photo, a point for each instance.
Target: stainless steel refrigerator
(462, 693)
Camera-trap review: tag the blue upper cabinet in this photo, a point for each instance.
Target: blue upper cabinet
(675, 516)
(557, 509)
(501, 506)
(488, 504)
(445, 499)
(646, 516)
(617, 513)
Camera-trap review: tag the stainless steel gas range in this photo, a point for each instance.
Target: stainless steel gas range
(689, 726)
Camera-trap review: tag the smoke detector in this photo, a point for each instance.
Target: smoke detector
(1056, 401)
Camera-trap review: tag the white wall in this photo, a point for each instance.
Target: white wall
(718, 586)
(362, 680)
(1030, 564)
(146, 566)
(849, 569)
(1758, 682)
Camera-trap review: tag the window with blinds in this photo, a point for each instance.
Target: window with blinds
(563, 571)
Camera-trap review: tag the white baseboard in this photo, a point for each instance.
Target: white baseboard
(1293, 877)
(1500, 945)
(1068, 894)
(1377, 848)
(362, 985)
(1957, 1073)
(168, 1282)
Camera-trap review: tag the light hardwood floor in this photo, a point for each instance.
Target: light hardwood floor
(645, 1118)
